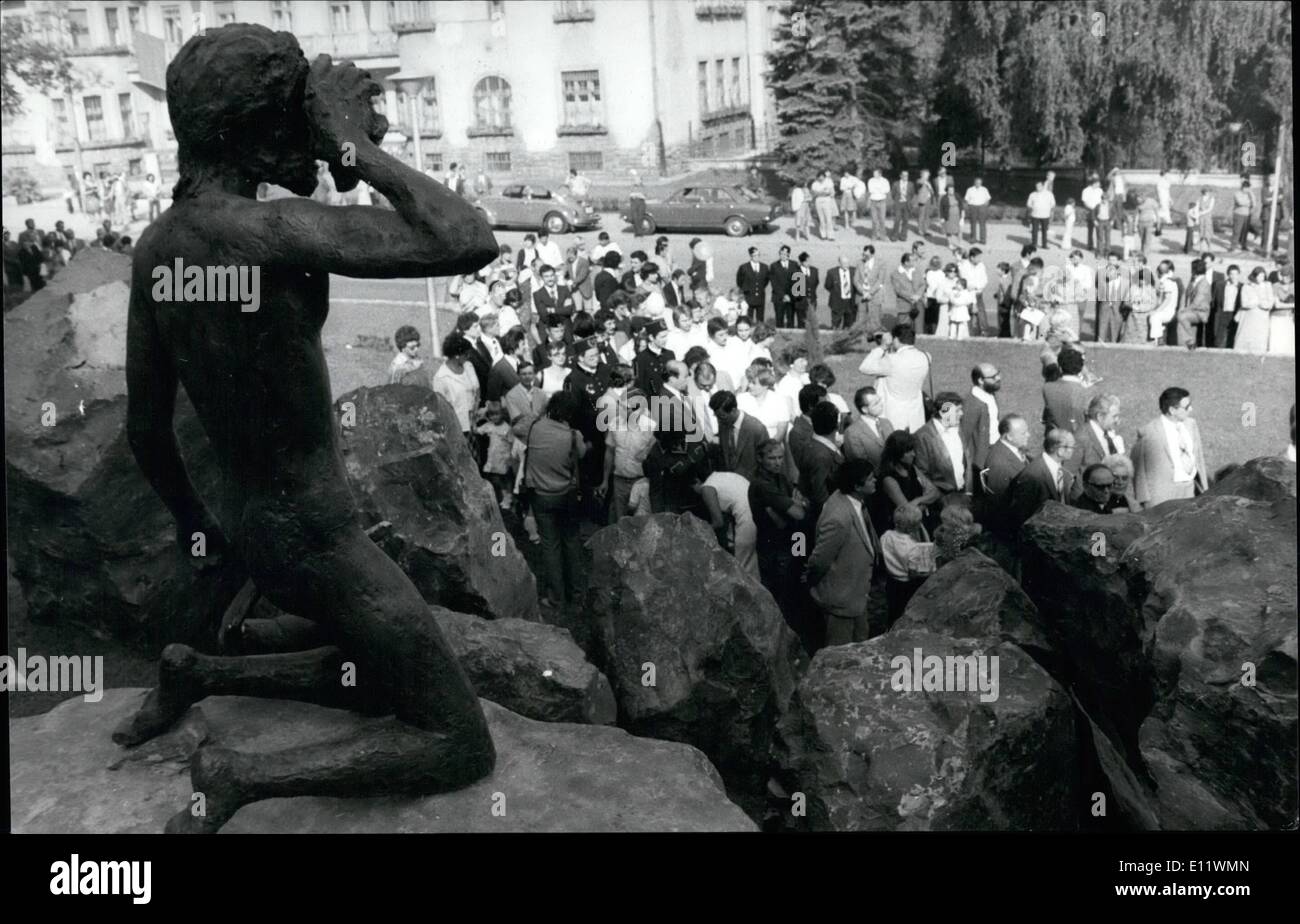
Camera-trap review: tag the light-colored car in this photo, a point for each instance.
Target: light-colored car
(533, 206)
(735, 210)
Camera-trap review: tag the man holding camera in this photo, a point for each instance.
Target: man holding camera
(904, 370)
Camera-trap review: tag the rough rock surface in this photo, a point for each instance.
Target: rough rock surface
(1267, 478)
(90, 541)
(868, 757)
(972, 597)
(531, 668)
(1202, 596)
(672, 607)
(425, 504)
(553, 776)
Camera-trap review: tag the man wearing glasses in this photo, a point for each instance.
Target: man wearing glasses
(1098, 481)
(1168, 461)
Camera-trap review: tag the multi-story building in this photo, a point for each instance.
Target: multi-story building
(525, 87)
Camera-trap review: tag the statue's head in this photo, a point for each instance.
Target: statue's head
(235, 96)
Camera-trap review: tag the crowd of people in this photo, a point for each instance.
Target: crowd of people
(36, 256)
(592, 388)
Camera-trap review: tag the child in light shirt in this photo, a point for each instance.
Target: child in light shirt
(500, 453)
(960, 301)
(909, 559)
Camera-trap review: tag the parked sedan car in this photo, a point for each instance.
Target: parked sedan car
(733, 209)
(523, 205)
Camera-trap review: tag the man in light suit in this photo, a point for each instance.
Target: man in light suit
(739, 435)
(846, 553)
(908, 283)
(1168, 461)
(1096, 439)
(842, 290)
(865, 437)
(944, 453)
(1005, 461)
(870, 282)
(905, 371)
(1194, 316)
(1112, 295)
(979, 423)
(1046, 478)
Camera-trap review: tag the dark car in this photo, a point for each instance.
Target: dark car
(735, 210)
(523, 205)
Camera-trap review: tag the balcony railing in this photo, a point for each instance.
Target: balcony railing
(350, 46)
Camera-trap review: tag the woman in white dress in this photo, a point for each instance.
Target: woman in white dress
(762, 403)
(1281, 320)
(1253, 317)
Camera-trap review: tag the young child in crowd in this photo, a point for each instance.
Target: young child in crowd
(499, 463)
(960, 301)
(909, 559)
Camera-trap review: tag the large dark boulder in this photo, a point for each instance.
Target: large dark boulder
(696, 649)
(90, 541)
(1267, 478)
(530, 668)
(1181, 643)
(865, 755)
(67, 777)
(425, 504)
(972, 597)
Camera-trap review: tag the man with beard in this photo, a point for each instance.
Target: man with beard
(980, 423)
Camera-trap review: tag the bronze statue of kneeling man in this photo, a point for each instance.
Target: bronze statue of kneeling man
(247, 107)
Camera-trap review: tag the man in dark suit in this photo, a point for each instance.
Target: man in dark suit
(843, 292)
(503, 375)
(801, 430)
(943, 453)
(1225, 301)
(1007, 310)
(865, 437)
(979, 420)
(580, 275)
(821, 459)
(781, 275)
(1065, 401)
(803, 288)
(672, 473)
(633, 278)
(651, 364)
(1112, 295)
(1005, 461)
(1046, 478)
(1095, 438)
(468, 325)
(739, 435)
(553, 298)
(752, 279)
(677, 292)
(1095, 496)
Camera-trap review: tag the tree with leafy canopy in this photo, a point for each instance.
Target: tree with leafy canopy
(31, 56)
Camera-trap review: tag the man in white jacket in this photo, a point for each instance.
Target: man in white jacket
(903, 371)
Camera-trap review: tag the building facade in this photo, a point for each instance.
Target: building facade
(524, 88)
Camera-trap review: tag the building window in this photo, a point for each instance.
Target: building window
(582, 105)
(111, 26)
(281, 16)
(135, 166)
(574, 11)
(433, 161)
(79, 28)
(340, 18)
(428, 108)
(702, 78)
(173, 30)
(133, 21)
(586, 161)
(736, 99)
(128, 114)
(409, 13)
(94, 118)
(719, 84)
(492, 105)
(498, 161)
(225, 12)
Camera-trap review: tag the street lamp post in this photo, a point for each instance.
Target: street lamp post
(412, 89)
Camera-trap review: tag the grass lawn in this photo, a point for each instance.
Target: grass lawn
(1240, 401)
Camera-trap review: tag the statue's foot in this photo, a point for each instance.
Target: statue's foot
(165, 703)
(216, 793)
